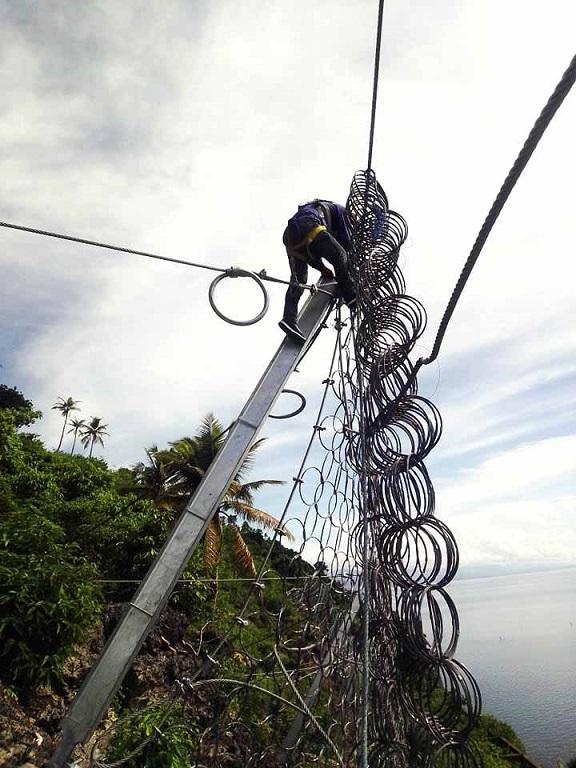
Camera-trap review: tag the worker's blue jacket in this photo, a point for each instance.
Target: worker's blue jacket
(313, 218)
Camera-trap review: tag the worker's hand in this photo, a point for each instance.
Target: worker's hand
(326, 273)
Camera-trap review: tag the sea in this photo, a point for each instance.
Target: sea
(518, 638)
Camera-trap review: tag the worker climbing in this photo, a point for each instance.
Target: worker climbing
(319, 230)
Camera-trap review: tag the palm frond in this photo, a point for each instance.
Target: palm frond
(93, 432)
(255, 485)
(210, 427)
(245, 491)
(212, 543)
(185, 446)
(254, 515)
(241, 553)
(75, 425)
(249, 459)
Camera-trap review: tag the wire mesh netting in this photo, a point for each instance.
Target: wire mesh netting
(343, 651)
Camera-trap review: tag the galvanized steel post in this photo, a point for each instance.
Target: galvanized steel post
(143, 611)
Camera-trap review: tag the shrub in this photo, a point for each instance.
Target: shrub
(47, 600)
(481, 738)
(22, 409)
(171, 744)
(79, 477)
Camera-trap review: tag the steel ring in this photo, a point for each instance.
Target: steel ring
(237, 272)
(298, 410)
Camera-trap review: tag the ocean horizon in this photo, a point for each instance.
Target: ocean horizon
(518, 638)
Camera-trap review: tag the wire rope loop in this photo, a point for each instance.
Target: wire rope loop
(298, 410)
(237, 272)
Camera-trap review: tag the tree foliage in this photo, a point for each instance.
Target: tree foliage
(22, 409)
(64, 523)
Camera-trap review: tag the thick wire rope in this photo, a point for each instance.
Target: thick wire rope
(46, 233)
(375, 82)
(538, 129)
(208, 581)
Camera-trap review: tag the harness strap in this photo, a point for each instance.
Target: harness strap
(294, 250)
(325, 212)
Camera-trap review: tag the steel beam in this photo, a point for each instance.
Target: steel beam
(142, 613)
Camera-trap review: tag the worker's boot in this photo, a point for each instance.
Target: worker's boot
(292, 330)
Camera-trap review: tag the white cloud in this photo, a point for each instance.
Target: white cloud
(524, 469)
(528, 531)
(194, 130)
(515, 505)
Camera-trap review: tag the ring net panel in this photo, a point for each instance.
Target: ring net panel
(282, 685)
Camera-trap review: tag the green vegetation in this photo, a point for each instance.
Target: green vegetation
(171, 750)
(73, 532)
(484, 739)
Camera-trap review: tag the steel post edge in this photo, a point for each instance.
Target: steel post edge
(141, 614)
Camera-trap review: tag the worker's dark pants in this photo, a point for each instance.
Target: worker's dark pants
(324, 246)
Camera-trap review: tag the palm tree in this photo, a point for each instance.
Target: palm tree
(93, 433)
(65, 406)
(238, 502)
(75, 425)
(184, 466)
(153, 481)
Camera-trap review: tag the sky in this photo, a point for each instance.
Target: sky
(193, 129)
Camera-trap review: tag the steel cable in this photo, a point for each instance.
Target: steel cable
(538, 129)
